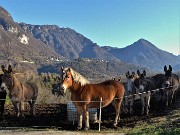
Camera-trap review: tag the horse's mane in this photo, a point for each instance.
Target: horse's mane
(79, 78)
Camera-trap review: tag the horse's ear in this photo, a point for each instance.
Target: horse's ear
(144, 73)
(9, 69)
(69, 69)
(170, 68)
(138, 72)
(127, 74)
(3, 69)
(165, 68)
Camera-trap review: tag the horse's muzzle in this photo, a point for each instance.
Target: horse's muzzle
(62, 90)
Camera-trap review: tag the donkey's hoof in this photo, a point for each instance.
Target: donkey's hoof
(86, 128)
(115, 125)
(79, 128)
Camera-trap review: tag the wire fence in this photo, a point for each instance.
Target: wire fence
(72, 112)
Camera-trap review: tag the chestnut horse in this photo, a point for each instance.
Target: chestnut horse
(19, 92)
(85, 95)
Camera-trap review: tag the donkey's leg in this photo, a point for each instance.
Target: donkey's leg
(86, 116)
(80, 117)
(21, 105)
(32, 107)
(142, 104)
(131, 105)
(167, 98)
(125, 105)
(16, 108)
(2, 108)
(148, 98)
(171, 98)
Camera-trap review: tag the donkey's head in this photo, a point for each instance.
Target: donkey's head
(167, 76)
(7, 78)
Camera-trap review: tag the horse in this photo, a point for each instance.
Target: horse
(145, 85)
(2, 98)
(170, 85)
(19, 92)
(86, 95)
(130, 91)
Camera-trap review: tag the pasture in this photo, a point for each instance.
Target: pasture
(53, 117)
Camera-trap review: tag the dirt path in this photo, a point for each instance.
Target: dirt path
(21, 132)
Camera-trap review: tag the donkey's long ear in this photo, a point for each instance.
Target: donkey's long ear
(3, 69)
(144, 73)
(165, 68)
(138, 72)
(9, 69)
(127, 74)
(170, 68)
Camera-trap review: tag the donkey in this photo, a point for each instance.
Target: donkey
(19, 92)
(170, 85)
(2, 98)
(144, 85)
(130, 91)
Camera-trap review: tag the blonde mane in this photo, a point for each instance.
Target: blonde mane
(79, 78)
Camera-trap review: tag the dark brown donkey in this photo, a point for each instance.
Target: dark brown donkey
(170, 85)
(85, 95)
(19, 92)
(2, 98)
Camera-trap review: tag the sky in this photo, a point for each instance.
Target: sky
(116, 23)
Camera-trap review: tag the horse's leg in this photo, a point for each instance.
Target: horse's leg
(86, 116)
(117, 108)
(80, 117)
(16, 108)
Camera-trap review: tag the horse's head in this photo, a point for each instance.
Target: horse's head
(167, 76)
(66, 79)
(7, 78)
(69, 77)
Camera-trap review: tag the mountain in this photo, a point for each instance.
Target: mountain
(17, 45)
(144, 53)
(67, 42)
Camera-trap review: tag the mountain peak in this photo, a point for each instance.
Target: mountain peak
(4, 13)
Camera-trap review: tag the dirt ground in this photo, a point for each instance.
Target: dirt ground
(51, 119)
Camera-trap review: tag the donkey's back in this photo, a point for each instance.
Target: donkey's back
(30, 91)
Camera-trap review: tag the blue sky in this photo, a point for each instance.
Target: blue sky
(116, 23)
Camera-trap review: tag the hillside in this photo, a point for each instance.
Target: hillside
(17, 45)
(144, 53)
(67, 42)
